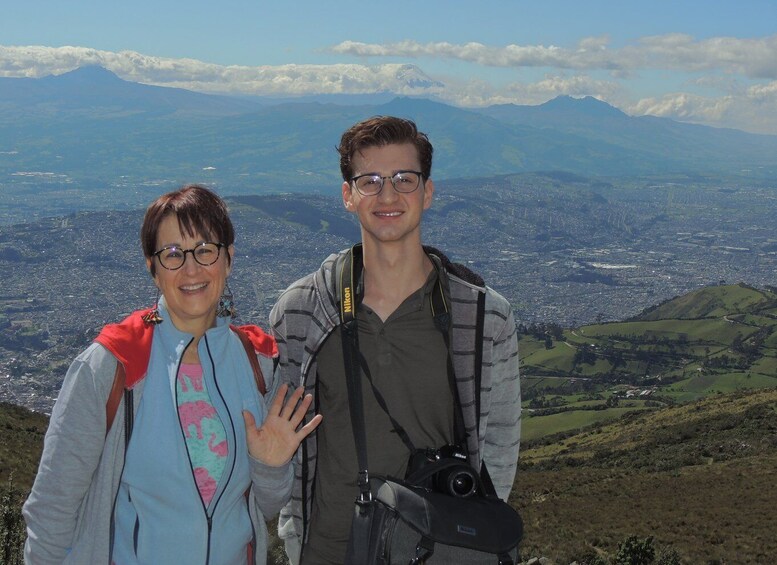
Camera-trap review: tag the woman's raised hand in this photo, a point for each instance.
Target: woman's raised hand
(278, 437)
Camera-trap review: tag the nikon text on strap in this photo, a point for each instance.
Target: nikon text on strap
(350, 296)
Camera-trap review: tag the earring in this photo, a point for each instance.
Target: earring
(152, 317)
(226, 306)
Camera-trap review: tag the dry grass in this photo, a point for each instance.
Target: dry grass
(700, 478)
(711, 513)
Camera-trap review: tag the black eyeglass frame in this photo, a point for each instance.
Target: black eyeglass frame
(158, 254)
(383, 182)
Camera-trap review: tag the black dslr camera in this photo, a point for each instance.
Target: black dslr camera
(443, 470)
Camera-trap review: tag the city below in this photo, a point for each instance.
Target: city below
(565, 250)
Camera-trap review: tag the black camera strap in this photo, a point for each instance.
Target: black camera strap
(400, 431)
(350, 333)
(351, 354)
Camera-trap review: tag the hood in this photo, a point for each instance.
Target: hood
(130, 342)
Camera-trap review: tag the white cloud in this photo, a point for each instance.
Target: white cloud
(508, 56)
(752, 109)
(764, 92)
(682, 106)
(754, 58)
(556, 85)
(290, 80)
(284, 80)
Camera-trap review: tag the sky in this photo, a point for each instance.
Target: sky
(709, 62)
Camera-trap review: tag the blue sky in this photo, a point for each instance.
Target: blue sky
(710, 62)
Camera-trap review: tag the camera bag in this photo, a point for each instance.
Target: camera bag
(405, 524)
(403, 521)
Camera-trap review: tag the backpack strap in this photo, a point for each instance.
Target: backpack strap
(251, 352)
(118, 392)
(114, 398)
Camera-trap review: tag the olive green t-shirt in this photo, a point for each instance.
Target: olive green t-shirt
(408, 361)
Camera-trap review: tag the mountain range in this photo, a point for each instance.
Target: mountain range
(90, 125)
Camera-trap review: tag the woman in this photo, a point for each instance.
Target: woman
(179, 472)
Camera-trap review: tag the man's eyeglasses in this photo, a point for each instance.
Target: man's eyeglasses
(173, 257)
(371, 183)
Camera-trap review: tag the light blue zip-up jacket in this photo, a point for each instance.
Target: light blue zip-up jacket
(159, 515)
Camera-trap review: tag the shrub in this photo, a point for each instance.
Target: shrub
(635, 551)
(12, 529)
(591, 558)
(668, 556)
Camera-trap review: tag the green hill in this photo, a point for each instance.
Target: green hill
(693, 476)
(21, 441)
(715, 340)
(714, 302)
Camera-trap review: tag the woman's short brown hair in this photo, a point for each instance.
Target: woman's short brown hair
(383, 130)
(199, 211)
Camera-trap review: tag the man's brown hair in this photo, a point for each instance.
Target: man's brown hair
(383, 130)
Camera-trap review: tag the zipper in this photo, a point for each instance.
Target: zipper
(234, 436)
(210, 531)
(186, 447)
(129, 421)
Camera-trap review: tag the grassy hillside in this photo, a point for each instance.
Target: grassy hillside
(694, 476)
(714, 302)
(21, 442)
(712, 341)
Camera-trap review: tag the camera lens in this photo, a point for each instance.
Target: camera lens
(459, 481)
(463, 484)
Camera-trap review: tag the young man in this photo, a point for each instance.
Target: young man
(386, 165)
